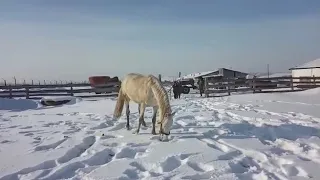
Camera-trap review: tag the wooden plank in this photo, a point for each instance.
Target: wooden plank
(307, 86)
(206, 93)
(279, 91)
(262, 85)
(99, 95)
(210, 91)
(265, 79)
(86, 90)
(33, 96)
(46, 86)
(12, 96)
(83, 96)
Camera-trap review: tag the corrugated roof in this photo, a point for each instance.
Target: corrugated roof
(312, 64)
(195, 75)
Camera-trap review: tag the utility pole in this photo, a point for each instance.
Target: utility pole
(15, 80)
(268, 70)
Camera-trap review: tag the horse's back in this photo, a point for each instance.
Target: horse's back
(133, 80)
(137, 87)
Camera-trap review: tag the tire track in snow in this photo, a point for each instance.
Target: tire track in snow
(289, 116)
(77, 150)
(47, 166)
(50, 146)
(271, 165)
(165, 168)
(275, 166)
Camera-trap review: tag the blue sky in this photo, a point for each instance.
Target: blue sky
(74, 39)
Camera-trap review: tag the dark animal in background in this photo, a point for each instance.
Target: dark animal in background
(201, 85)
(177, 89)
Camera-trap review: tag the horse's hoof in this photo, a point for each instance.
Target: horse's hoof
(128, 128)
(154, 133)
(163, 138)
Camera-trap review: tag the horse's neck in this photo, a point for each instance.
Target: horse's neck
(160, 95)
(166, 105)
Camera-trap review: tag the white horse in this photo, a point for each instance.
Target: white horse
(147, 91)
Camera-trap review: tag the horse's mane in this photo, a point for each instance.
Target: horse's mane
(161, 95)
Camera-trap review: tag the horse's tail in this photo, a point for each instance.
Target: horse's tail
(119, 106)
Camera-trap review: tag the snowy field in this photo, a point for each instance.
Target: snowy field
(249, 136)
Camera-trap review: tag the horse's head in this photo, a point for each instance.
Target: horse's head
(166, 125)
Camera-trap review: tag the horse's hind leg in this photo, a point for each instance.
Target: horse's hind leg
(127, 113)
(155, 109)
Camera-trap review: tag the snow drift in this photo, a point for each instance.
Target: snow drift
(251, 136)
(67, 100)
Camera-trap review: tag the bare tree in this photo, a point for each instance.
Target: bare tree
(5, 82)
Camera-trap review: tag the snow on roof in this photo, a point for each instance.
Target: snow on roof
(204, 74)
(280, 74)
(195, 75)
(167, 78)
(312, 64)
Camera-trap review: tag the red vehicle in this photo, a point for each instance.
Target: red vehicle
(102, 84)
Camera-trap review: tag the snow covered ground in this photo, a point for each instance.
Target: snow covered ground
(249, 136)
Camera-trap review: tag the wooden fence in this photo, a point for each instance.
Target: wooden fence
(212, 87)
(38, 91)
(259, 85)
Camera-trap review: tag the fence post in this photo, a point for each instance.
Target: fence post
(27, 92)
(71, 89)
(228, 86)
(206, 91)
(291, 83)
(10, 91)
(314, 82)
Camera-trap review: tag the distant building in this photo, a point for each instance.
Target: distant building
(308, 69)
(219, 73)
(226, 73)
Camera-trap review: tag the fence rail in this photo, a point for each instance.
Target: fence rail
(38, 91)
(260, 85)
(23, 86)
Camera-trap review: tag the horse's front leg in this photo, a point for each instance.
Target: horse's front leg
(139, 110)
(155, 109)
(127, 113)
(141, 117)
